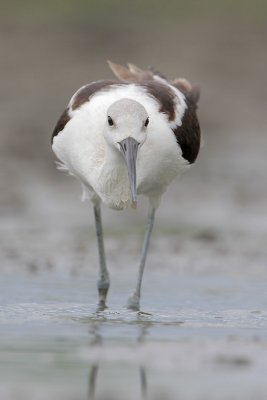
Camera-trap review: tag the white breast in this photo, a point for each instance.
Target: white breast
(81, 148)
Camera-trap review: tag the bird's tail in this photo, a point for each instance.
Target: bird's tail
(136, 74)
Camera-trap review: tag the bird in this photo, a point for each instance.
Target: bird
(126, 137)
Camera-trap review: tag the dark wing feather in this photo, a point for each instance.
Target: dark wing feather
(63, 120)
(188, 134)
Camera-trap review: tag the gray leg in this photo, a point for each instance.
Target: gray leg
(134, 300)
(103, 281)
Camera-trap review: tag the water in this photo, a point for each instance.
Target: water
(195, 334)
(202, 332)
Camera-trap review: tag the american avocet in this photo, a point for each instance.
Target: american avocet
(127, 137)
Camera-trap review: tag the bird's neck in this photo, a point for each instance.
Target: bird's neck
(113, 185)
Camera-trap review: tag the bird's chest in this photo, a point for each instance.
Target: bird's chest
(113, 186)
(157, 167)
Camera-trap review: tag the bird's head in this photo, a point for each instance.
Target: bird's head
(126, 130)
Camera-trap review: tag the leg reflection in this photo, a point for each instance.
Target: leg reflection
(97, 340)
(143, 331)
(143, 381)
(92, 381)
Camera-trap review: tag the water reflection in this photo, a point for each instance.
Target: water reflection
(98, 340)
(92, 381)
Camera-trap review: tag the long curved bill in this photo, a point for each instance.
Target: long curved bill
(129, 148)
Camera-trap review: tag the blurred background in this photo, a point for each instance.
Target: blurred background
(212, 221)
(49, 49)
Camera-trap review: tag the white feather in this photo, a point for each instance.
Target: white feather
(83, 151)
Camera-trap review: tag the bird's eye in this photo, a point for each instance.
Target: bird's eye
(110, 121)
(146, 122)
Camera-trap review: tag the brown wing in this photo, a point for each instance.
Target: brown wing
(188, 134)
(86, 92)
(63, 120)
(164, 96)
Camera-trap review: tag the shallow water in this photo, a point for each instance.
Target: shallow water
(196, 337)
(202, 332)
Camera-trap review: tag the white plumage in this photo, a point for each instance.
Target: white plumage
(107, 122)
(82, 148)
